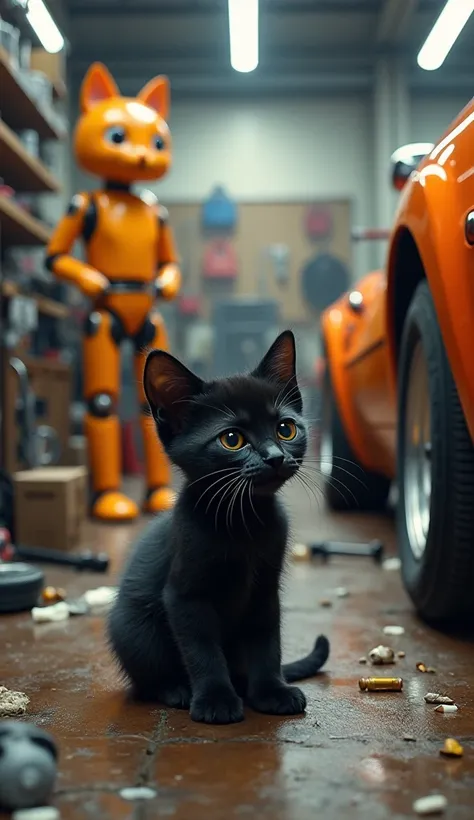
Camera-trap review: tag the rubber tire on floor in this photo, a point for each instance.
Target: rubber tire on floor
(349, 485)
(441, 583)
(20, 586)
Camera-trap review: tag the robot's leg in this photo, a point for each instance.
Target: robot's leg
(103, 334)
(159, 496)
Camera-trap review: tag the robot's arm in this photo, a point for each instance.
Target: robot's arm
(59, 259)
(168, 280)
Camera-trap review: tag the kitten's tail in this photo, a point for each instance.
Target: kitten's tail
(310, 665)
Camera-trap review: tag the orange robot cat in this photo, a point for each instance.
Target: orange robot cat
(130, 260)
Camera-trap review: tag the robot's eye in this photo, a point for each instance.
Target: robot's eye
(159, 143)
(115, 134)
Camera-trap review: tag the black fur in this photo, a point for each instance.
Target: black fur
(196, 623)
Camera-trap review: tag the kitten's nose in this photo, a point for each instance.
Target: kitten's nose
(274, 459)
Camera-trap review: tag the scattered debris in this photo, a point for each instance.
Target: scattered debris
(409, 738)
(391, 564)
(451, 748)
(325, 602)
(138, 793)
(381, 655)
(341, 592)
(78, 607)
(446, 708)
(12, 703)
(48, 614)
(393, 630)
(40, 813)
(363, 659)
(51, 595)
(432, 804)
(100, 597)
(422, 667)
(400, 654)
(433, 697)
(381, 684)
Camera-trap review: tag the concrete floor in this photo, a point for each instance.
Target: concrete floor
(347, 754)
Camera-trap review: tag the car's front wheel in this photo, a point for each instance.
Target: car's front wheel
(435, 513)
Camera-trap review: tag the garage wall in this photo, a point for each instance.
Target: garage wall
(431, 115)
(287, 150)
(272, 150)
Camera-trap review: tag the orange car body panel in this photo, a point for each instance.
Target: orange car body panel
(361, 346)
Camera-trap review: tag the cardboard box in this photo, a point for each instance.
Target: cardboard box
(53, 65)
(50, 507)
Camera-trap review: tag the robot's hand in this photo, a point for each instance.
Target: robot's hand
(168, 281)
(93, 284)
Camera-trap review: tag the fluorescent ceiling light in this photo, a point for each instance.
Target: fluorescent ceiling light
(444, 33)
(243, 29)
(44, 26)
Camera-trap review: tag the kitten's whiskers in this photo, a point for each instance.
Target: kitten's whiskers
(226, 489)
(252, 504)
(247, 484)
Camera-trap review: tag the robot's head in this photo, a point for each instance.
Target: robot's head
(123, 139)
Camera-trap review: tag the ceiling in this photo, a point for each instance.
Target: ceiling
(305, 45)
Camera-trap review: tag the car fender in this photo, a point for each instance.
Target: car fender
(341, 334)
(433, 210)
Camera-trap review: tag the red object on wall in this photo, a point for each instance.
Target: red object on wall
(189, 305)
(220, 260)
(318, 222)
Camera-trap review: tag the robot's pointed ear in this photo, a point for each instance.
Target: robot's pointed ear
(169, 387)
(156, 94)
(97, 85)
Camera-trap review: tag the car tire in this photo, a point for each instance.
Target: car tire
(435, 513)
(348, 486)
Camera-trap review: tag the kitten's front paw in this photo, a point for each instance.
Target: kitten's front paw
(177, 697)
(217, 706)
(278, 699)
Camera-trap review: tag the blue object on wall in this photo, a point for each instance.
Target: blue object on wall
(219, 212)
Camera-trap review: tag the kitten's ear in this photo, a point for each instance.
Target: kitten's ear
(168, 387)
(279, 364)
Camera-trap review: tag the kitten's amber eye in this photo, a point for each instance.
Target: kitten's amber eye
(286, 430)
(232, 440)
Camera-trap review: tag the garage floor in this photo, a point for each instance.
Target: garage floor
(348, 753)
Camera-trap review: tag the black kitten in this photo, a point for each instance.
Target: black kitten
(197, 619)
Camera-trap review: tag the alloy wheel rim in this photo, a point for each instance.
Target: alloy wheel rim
(417, 455)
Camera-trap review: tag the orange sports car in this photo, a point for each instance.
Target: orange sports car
(398, 397)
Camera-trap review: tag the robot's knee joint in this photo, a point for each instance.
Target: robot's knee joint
(93, 323)
(145, 335)
(101, 405)
(116, 329)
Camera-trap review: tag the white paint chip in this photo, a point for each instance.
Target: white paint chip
(392, 564)
(393, 630)
(40, 813)
(447, 708)
(100, 597)
(138, 793)
(433, 697)
(49, 614)
(432, 804)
